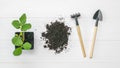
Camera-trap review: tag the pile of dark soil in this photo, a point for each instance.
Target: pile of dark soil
(56, 36)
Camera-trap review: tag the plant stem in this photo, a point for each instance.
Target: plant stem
(23, 37)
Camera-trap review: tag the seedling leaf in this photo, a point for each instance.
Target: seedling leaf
(16, 24)
(17, 41)
(27, 46)
(17, 51)
(23, 19)
(25, 27)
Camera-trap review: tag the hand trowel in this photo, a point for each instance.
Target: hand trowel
(98, 17)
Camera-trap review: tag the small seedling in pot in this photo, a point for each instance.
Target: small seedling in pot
(19, 39)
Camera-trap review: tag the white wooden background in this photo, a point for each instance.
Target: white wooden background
(41, 12)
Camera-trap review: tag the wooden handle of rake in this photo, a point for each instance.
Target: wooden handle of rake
(93, 42)
(81, 41)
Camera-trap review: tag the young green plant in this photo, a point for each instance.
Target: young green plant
(18, 40)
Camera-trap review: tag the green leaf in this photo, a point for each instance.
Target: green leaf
(17, 41)
(23, 19)
(16, 24)
(17, 51)
(27, 46)
(25, 27)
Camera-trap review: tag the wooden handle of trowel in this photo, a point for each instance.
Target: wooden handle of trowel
(93, 42)
(81, 41)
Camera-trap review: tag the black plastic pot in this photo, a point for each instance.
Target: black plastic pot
(28, 37)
